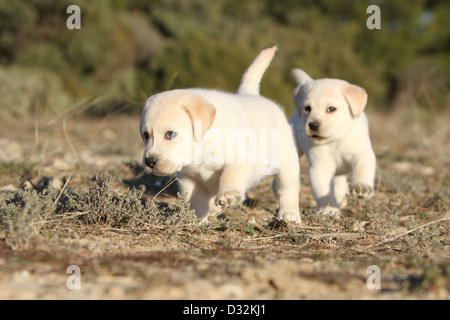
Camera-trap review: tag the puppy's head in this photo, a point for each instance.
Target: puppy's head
(327, 107)
(170, 123)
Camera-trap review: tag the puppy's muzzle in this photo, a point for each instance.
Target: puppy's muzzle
(314, 126)
(151, 162)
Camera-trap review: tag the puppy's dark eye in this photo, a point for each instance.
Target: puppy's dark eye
(331, 109)
(307, 109)
(145, 135)
(170, 135)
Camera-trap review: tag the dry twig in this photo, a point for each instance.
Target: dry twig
(407, 232)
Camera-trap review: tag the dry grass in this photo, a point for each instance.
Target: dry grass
(86, 203)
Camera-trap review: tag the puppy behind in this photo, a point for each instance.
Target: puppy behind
(221, 144)
(331, 127)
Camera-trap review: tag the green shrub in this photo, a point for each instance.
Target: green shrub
(127, 50)
(28, 92)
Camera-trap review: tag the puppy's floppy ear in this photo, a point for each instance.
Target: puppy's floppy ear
(356, 98)
(301, 78)
(202, 112)
(298, 98)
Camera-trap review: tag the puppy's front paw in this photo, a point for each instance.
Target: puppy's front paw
(330, 212)
(362, 191)
(203, 221)
(228, 198)
(290, 217)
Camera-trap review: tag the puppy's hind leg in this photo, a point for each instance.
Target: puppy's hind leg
(288, 188)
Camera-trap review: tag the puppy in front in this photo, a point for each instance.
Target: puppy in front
(221, 144)
(331, 128)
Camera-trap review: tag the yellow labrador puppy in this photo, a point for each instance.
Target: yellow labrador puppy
(221, 144)
(331, 127)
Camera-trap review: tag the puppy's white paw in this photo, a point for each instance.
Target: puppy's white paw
(330, 212)
(362, 191)
(228, 198)
(203, 221)
(343, 203)
(290, 217)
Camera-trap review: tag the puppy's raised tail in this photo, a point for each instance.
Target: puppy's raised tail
(252, 77)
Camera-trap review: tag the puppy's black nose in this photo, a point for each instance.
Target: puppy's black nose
(150, 162)
(314, 126)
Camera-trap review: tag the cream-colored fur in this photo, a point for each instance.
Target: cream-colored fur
(331, 128)
(221, 144)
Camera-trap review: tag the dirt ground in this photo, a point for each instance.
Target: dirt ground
(402, 231)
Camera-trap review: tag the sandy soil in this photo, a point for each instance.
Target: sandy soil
(321, 259)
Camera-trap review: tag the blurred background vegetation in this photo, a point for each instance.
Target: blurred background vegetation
(127, 50)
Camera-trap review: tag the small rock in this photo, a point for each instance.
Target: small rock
(402, 166)
(8, 188)
(59, 164)
(27, 185)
